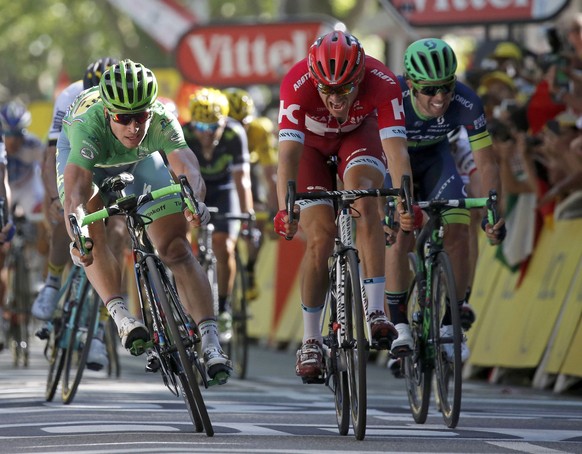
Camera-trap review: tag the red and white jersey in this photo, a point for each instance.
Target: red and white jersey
(301, 109)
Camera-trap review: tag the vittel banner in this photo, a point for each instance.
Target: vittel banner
(432, 13)
(244, 54)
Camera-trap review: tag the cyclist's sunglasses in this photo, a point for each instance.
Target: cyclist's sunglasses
(206, 127)
(433, 90)
(342, 90)
(125, 119)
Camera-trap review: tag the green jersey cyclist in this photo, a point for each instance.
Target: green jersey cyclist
(118, 127)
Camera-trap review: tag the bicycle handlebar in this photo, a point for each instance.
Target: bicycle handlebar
(129, 203)
(470, 202)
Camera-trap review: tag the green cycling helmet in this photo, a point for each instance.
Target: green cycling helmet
(430, 60)
(128, 87)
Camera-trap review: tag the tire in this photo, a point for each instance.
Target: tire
(111, 339)
(337, 360)
(19, 303)
(238, 347)
(187, 379)
(57, 343)
(449, 374)
(417, 367)
(355, 343)
(80, 336)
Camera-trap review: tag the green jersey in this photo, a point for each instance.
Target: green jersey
(94, 145)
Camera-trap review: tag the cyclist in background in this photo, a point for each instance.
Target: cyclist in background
(6, 233)
(117, 127)
(338, 101)
(46, 302)
(435, 103)
(263, 157)
(220, 146)
(24, 155)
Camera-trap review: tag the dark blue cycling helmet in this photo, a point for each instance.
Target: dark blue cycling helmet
(95, 70)
(14, 118)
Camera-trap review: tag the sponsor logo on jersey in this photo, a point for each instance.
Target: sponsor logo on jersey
(288, 112)
(383, 76)
(155, 210)
(464, 102)
(291, 134)
(480, 122)
(87, 153)
(301, 81)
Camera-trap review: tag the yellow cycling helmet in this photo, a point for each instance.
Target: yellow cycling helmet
(242, 106)
(208, 105)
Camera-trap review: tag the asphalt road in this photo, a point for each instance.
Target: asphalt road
(270, 412)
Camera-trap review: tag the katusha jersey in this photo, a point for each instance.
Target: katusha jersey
(466, 109)
(93, 145)
(301, 109)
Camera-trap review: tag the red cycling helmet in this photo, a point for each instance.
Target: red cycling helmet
(336, 59)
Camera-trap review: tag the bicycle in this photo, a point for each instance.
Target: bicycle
(431, 292)
(69, 335)
(237, 346)
(19, 288)
(171, 348)
(346, 333)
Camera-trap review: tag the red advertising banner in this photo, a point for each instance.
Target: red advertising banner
(424, 13)
(244, 54)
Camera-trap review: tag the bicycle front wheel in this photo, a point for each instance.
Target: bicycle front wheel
(171, 307)
(81, 330)
(417, 367)
(448, 368)
(238, 347)
(355, 343)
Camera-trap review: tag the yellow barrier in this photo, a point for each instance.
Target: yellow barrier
(516, 328)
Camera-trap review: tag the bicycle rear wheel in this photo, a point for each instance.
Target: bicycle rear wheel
(355, 343)
(417, 368)
(238, 348)
(182, 358)
(81, 331)
(449, 378)
(54, 352)
(19, 302)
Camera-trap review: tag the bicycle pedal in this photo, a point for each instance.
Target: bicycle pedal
(138, 347)
(220, 378)
(313, 380)
(152, 364)
(382, 344)
(401, 352)
(42, 333)
(94, 366)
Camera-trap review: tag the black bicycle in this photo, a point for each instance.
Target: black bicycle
(431, 293)
(345, 331)
(173, 334)
(237, 344)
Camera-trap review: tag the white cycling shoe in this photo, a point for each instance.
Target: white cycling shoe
(97, 358)
(45, 303)
(447, 331)
(402, 345)
(130, 330)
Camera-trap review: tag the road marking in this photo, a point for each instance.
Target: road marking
(525, 447)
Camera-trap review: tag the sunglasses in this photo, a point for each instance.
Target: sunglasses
(206, 127)
(433, 90)
(342, 90)
(125, 119)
